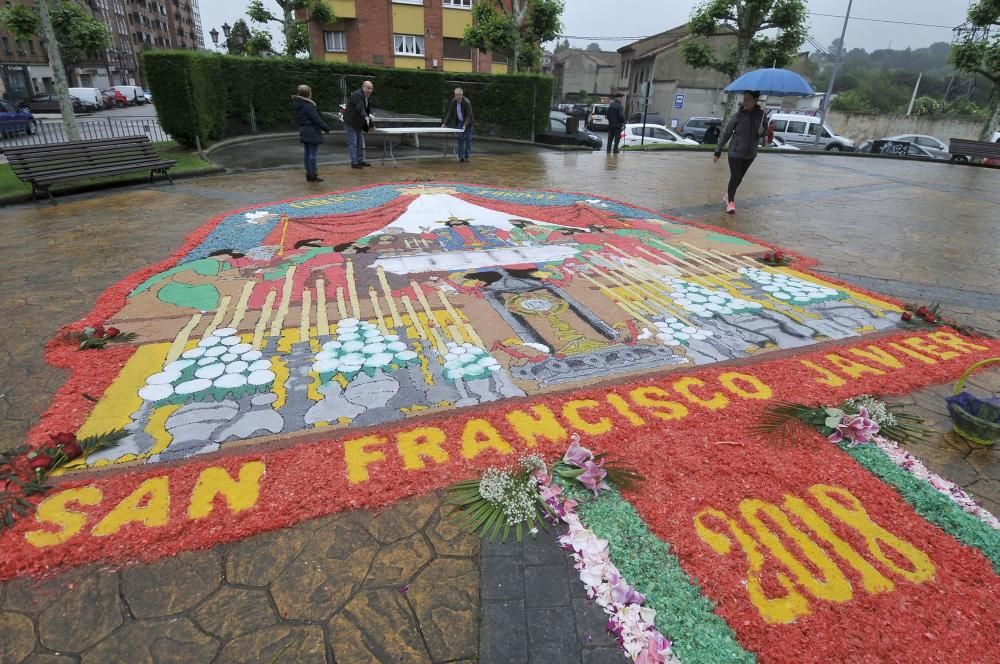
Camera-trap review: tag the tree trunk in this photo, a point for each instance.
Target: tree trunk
(289, 26)
(58, 72)
(742, 58)
(512, 67)
(993, 123)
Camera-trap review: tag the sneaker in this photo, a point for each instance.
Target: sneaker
(356, 166)
(730, 208)
(365, 164)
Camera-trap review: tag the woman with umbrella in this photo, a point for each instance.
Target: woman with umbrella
(743, 133)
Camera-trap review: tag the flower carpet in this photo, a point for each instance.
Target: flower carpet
(355, 348)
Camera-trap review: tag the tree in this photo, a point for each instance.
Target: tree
(295, 29)
(748, 19)
(244, 41)
(561, 46)
(518, 31)
(593, 46)
(977, 51)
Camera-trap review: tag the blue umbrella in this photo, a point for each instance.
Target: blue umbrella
(776, 82)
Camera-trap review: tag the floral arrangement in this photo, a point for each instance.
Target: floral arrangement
(23, 472)
(774, 258)
(924, 316)
(98, 336)
(859, 420)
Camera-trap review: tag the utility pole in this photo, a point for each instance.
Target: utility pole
(58, 72)
(914, 97)
(833, 77)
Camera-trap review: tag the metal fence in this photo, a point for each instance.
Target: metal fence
(44, 131)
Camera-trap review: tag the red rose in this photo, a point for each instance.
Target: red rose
(113, 332)
(769, 256)
(99, 331)
(930, 317)
(62, 438)
(922, 311)
(72, 450)
(41, 462)
(907, 316)
(778, 255)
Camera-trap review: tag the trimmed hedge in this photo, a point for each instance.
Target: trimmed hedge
(210, 95)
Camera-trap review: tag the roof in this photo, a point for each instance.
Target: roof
(647, 47)
(603, 58)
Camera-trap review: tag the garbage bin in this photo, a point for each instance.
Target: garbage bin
(572, 125)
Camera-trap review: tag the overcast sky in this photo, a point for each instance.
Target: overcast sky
(593, 19)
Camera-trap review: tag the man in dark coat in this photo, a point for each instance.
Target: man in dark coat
(459, 116)
(358, 120)
(310, 124)
(745, 128)
(616, 122)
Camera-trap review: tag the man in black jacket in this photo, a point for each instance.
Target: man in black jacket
(745, 128)
(616, 122)
(459, 116)
(358, 119)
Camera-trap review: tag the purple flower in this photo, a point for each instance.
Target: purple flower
(614, 627)
(577, 455)
(855, 428)
(593, 476)
(623, 593)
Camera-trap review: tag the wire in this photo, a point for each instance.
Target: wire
(882, 20)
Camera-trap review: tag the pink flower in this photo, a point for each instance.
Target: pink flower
(623, 593)
(656, 650)
(593, 476)
(855, 429)
(577, 455)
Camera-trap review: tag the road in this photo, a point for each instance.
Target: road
(134, 120)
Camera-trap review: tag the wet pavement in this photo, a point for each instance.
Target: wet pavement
(333, 589)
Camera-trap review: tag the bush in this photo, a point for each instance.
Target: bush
(848, 102)
(209, 96)
(926, 106)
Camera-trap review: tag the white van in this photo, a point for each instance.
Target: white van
(597, 118)
(133, 93)
(91, 98)
(800, 131)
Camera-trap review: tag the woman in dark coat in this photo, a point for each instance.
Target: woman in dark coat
(310, 124)
(745, 128)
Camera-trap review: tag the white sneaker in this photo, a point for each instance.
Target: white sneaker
(730, 208)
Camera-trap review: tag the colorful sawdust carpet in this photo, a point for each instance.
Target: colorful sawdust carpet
(352, 349)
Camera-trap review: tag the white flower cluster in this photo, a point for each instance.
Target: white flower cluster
(706, 302)
(468, 361)
(220, 365)
(360, 345)
(788, 288)
(518, 499)
(878, 411)
(673, 332)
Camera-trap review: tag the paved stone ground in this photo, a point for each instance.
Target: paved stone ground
(329, 590)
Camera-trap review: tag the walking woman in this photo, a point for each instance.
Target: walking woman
(745, 128)
(310, 124)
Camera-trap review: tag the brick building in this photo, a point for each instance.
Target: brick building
(413, 34)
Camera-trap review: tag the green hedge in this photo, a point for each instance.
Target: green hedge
(210, 95)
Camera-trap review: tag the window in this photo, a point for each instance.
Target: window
(454, 49)
(813, 128)
(661, 134)
(5, 107)
(779, 125)
(557, 125)
(409, 45)
(796, 127)
(463, 4)
(928, 143)
(336, 42)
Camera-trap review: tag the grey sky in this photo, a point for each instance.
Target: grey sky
(636, 18)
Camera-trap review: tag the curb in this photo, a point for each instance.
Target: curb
(813, 153)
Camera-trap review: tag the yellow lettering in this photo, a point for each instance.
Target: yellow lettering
(850, 367)
(358, 458)
(842, 504)
(651, 399)
(876, 354)
(684, 385)
(827, 377)
(421, 443)
(956, 342)
(912, 353)
(542, 426)
(480, 435)
(149, 505)
(240, 494)
(571, 411)
(731, 379)
(925, 347)
(55, 510)
(621, 406)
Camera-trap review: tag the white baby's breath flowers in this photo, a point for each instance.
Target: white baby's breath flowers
(878, 411)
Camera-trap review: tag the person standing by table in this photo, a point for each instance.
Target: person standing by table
(745, 128)
(310, 124)
(358, 119)
(616, 122)
(459, 116)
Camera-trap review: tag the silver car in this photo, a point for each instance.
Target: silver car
(936, 147)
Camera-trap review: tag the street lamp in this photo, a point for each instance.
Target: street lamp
(226, 29)
(214, 34)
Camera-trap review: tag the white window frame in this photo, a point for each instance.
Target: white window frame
(408, 2)
(456, 4)
(409, 42)
(327, 39)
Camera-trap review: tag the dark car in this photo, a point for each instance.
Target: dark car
(114, 98)
(558, 134)
(652, 117)
(14, 120)
(49, 103)
(695, 128)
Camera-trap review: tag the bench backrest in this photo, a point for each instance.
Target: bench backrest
(96, 155)
(967, 148)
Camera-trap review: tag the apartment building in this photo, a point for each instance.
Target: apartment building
(413, 34)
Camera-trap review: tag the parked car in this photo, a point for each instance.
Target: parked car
(652, 118)
(598, 117)
(49, 103)
(133, 93)
(912, 150)
(148, 95)
(778, 144)
(15, 120)
(90, 98)
(695, 128)
(800, 131)
(557, 134)
(937, 147)
(113, 97)
(636, 134)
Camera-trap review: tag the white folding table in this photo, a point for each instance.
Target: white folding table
(416, 132)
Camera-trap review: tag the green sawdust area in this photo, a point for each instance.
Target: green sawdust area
(188, 163)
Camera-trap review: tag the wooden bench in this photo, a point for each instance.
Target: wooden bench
(44, 165)
(964, 150)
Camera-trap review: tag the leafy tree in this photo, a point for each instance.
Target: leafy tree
(977, 50)
(80, 36)
(561, 46)
(851, 102)
(749, 19)
(295, 29)
(593, 46)
(519, 31)
(926, 106)
(244, 41)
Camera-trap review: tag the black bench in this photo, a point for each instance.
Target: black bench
(44, 165)
(964, 150)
